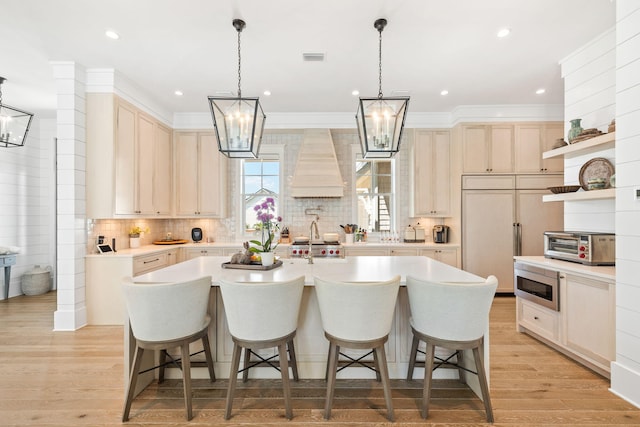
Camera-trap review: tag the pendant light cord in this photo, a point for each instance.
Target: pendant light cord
(380, 64)
(239, 59)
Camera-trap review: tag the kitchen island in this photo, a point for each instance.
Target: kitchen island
(311, 345)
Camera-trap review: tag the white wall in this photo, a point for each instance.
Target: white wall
(625, 372)
(590, 81)
(25, 201)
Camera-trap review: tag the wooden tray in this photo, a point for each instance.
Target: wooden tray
(256, 266)
(170, 242)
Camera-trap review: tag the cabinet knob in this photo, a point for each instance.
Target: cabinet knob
(535, 317)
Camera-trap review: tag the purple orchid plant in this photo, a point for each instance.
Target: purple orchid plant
(268, 223)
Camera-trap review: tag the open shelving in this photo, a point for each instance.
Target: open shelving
(596, 143)
(608, 193)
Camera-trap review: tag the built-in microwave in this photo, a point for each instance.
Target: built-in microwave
(583, 247)
(537, 285)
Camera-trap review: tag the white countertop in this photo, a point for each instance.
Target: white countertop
(603, 272)
(150, 249)
(353, 268)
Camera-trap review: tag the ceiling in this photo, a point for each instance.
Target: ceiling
(190, 45)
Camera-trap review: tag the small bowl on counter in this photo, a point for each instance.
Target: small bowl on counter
(564, 189)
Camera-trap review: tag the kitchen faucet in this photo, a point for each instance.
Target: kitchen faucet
(313, 224)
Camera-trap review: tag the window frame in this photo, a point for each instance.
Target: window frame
(356, 156)
(267, 152)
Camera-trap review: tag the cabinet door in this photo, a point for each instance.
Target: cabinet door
(210, 183)
(404, 252)
(488, 218)
(528, 152)
(162, 171)
(447, 256)
(501, 154)
(589, 308)
(144, 164)
(422, 177)
(442, 174)
(125, 158)
(535, 217)
(475, 149)
(187, 186)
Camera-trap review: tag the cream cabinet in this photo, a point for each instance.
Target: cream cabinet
(129, 154)
(403, 252)
(531, 140)
(446, 255)
(487, 148)
(431, 192)
(589, 316)
(200, 176)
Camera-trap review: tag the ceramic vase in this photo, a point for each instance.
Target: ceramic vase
(575, 130)
(267, 258)
(134, 242)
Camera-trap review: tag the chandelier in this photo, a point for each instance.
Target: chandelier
(238, 122)
(380, 120)
(14, 124)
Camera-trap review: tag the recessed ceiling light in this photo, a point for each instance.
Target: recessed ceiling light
(504, 32)
(267, 93)
(355, 92)
(112, 34)
(444, 92)
(178, 93)
(540, 91)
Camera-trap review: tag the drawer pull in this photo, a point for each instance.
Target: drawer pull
(153, 260)
(535, 317)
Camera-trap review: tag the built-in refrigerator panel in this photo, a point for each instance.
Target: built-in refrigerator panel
(503, 216)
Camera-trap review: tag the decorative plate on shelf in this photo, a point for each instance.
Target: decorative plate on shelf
(598, 167)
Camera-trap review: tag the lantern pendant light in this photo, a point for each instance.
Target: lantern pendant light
(381, 120)
(14, 124)
(238, 122)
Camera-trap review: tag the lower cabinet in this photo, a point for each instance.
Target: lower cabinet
(583, 329)
(447, 256)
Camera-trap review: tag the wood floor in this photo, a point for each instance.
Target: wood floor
(75, 379)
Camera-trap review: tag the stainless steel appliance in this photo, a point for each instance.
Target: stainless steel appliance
(318, 250)
(583, 247)
(441, 234)
(537, 285)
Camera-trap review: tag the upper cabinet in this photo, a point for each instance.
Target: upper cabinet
(129, 157)
(201, 173)
(531, 141)
(431, 174)
(487, 148)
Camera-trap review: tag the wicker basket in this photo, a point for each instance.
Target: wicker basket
(36, 281)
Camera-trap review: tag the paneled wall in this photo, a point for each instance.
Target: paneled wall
(26, 194)
(590, 81)
(625, 372)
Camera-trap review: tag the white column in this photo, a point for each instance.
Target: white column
(625, 371)
(70, 79)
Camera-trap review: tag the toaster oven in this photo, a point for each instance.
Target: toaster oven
(583, 247)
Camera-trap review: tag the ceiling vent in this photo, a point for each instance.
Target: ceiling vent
(317, 173)
(313, 57)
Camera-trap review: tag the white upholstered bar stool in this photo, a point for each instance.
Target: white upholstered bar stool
(357, 315)
(454, 316)
(164, 316)
(262, 315)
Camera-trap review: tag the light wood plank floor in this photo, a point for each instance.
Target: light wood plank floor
(75, 379)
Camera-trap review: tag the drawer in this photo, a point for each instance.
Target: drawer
(540, 320)
(147, 263)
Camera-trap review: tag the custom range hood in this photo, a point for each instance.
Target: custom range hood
(316, 172)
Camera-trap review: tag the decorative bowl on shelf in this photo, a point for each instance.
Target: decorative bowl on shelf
(564, 189)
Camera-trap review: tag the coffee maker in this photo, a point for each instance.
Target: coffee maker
(440, 234)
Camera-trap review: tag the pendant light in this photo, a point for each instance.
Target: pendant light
(381, 120)
(14, 124)
(238, 122)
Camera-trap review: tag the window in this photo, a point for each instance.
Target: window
(260, 179)
(374, 188)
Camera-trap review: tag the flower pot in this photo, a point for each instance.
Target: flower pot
(134, 242)
(267, 258)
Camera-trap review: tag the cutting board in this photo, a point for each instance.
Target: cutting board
(170, 242)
